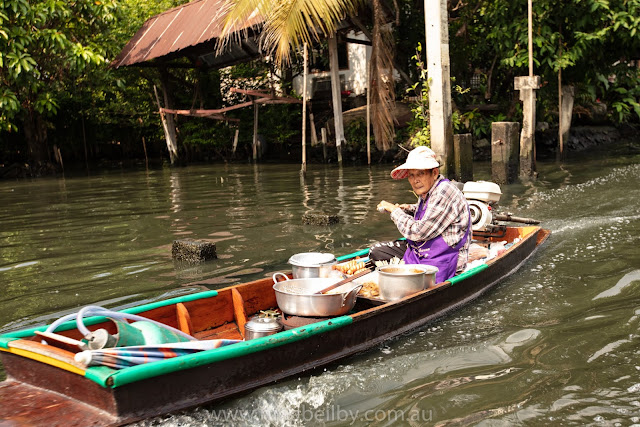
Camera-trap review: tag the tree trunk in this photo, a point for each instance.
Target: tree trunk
(381, 79)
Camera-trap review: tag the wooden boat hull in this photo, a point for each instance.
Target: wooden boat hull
(270, 361)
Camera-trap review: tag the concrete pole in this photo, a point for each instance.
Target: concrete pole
(336, 95)
(304, 111)
(566, 111)
(463, 157)
(504, 152)
(527, 87)
(437, 42)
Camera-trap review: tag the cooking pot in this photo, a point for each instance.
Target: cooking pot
(296, 297)
(259, 327)
(311, 264)
(399, 280)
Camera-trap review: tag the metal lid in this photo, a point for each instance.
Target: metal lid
(311, 259)
(263, 324)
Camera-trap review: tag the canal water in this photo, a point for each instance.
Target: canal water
(556, 343)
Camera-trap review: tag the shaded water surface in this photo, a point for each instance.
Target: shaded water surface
(556, 343)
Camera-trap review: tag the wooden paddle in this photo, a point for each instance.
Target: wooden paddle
(343, 281)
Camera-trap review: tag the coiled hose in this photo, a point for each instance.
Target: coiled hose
(95, 310)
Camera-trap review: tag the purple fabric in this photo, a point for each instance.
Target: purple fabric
(435, 252)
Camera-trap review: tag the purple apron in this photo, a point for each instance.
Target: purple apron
(434, 252)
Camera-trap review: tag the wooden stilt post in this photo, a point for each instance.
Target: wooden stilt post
(336, 95)
(255, 131)
(560, 135)
(314, 135)
(304, 111)
(368, 115)
(235, 141)
(146, 159)
(169, 131)
(323, 132)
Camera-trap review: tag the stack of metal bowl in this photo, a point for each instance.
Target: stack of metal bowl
(309, 265)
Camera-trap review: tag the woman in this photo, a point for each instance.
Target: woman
(437, 228)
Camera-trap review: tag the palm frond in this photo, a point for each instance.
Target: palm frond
(287, 23)
(294, 22)
(236, 14)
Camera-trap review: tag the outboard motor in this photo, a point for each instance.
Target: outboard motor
(482, 196)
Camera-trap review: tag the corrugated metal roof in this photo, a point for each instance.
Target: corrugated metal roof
(188, 30)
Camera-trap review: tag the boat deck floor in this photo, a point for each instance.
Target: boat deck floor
(25, 405)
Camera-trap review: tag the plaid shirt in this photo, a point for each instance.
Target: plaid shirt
(447, 214)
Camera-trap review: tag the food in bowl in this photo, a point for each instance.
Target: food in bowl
(399, 281)
(369, 290)
(397, 270)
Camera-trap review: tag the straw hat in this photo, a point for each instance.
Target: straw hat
(418, 158)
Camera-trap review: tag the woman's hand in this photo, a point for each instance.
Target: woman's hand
(406, 206)
(385, 206)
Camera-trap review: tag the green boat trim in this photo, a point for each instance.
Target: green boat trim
(71, 324)
(467, 274)
(4, 342)
(107, 377)
(353, 255)
(361, 252)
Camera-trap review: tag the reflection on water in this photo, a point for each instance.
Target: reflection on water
(556, 343)
(71, 242)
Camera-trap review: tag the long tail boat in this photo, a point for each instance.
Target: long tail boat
(45, 384)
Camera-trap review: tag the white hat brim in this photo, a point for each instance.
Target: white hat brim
(401, 172)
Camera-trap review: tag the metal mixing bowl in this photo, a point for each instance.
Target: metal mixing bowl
(297, 297)
(398, 281)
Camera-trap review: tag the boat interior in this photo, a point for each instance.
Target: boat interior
(224, 316)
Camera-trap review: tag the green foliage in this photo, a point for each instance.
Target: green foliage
(419, 125)
(355, 132)
(280, 123)
(581, 37)
(621, 91)
(54, 56)
(46, 46)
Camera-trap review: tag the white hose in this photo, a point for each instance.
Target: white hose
(94, 310)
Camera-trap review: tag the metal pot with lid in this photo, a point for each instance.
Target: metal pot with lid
(310, 265)
(259, 327)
